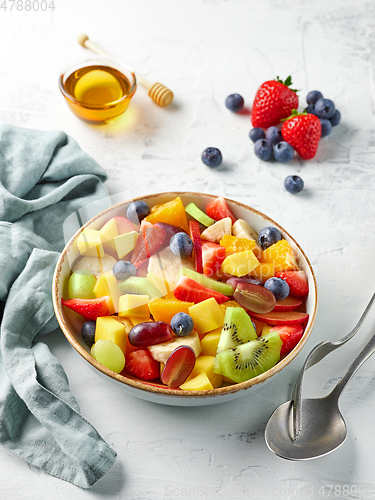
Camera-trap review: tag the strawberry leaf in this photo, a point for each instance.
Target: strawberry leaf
(287, 83)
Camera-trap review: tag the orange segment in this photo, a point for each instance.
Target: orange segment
(281, 253)
(165, 309)
(264, 271)
(233, 244)
(172, 212)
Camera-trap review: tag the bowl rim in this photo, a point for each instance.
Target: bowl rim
(158, 388)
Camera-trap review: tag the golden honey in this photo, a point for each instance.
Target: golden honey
(97, 92)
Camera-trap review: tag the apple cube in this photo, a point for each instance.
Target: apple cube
(89, 243)
(125, 243)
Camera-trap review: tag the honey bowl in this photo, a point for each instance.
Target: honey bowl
(98, 89)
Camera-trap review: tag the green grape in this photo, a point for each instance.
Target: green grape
(81, 285)
(108, 354)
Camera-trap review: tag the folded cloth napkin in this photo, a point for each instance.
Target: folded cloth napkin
(44, 177)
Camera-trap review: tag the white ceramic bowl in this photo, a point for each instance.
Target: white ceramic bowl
(71, 324)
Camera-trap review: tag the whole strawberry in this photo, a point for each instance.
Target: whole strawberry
(273, 101)
(303, 132)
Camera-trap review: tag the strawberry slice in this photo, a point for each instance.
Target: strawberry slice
(289, 318)
(213, 256)
(88, 308)
(219, 209)
(195, 236)
(150, 240)
(288, 304)
(189, 290)
(141, 364)
(290, 336)
(297, 281)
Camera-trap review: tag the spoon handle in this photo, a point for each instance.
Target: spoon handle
(317, 354)
(357, 363)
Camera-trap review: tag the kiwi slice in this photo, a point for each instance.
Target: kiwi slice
(238, 329)
(210, 283)
(249, 360)
(140, 286)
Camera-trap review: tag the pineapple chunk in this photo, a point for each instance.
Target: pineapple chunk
(106, 284)
(108, 328)
(210, 341)
(134, 306)
(205, 364)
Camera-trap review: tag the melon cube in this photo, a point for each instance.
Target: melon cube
(207, 315)
(108, 328)
(89, 243)
(205, 364)
(210, 341)
(199, 383)
(134, 305)
(125, 243)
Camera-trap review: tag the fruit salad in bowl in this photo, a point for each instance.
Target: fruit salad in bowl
(185, 298)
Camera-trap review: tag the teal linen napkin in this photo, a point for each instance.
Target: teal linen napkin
(44, 177)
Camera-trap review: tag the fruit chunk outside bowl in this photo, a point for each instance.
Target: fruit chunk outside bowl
(71, 323)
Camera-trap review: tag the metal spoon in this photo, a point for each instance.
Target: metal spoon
(323, 428)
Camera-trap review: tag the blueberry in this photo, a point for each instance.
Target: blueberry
(313, 96)
(88, 332)
(335, 119)
(137, 211)
(310, 109)
(256, 133)
(324, 108)
(326, 126)
(283, 152)
(268, 236)
(212, 157)
(234, 102)
(293, 184)
(182, 324)
(278, 287)
(273, 135)
(263, 149)
(181, 245)
(123, 269)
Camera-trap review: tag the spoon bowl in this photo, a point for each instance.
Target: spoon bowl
(324, 430)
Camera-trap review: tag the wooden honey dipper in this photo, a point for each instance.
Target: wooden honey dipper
(158, 92)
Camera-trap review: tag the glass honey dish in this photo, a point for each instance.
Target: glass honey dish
(98, 89)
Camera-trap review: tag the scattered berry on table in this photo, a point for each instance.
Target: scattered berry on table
(273, 101)
(303, 132)
(182, 324)
(326, 126)
(313, 96)
(294, 184)
(256, 133)
(181, 245)
(268, 236)
(278, 287)
(234, 102)
(137, 211)
(283, 152)
(335, 119)
(263, 149)
(88, 332)
(273, 135)
(212, 157)
(324, 108)
(123, 270)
